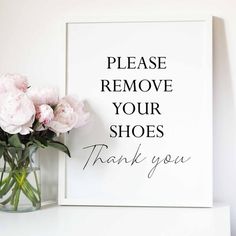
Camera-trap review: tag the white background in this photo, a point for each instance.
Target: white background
(32, 40)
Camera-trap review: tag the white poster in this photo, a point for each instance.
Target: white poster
(147, 86)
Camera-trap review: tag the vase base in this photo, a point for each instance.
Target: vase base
(20, 209)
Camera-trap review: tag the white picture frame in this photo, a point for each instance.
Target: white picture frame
(64, 196)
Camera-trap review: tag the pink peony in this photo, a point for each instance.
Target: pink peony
(78, 107)
(47, 96)
(10, 82)
(17, 112)
(44, 113)
(68, 114)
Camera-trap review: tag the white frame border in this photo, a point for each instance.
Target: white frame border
(62, 194)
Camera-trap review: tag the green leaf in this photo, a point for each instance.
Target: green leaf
(43, 141)
(29, 143)
(2, 143)
(15, 141)
(40, 142)
(60, 146)
(13, 152)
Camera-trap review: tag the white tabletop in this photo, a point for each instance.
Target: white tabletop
(111, 221)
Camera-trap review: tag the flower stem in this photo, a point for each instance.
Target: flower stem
(6, 201)
(3, 171)
(6, 187)
(17, 198)
(13, 194)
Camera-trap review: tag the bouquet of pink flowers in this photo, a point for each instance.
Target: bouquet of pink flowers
(30, 119)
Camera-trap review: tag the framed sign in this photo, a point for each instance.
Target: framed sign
(148, 88)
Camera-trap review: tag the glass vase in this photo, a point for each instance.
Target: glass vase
(20, 180)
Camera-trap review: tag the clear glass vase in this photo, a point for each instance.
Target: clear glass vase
(20, 180)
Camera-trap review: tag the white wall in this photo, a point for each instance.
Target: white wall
(32, 42)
